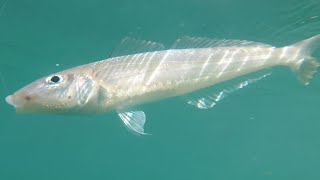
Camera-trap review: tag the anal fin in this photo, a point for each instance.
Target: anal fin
(209, 97)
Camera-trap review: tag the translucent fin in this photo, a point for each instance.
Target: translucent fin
(209, 97)
(307, 46)
(305, 65)
(306, 70)
(198, 42)
(134, 46)
(103, 96)
(134, 121)
(84, 89)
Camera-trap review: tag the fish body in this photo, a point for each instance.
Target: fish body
(122, 82)
(150, 76)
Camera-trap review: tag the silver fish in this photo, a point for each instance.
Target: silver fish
(143, 71)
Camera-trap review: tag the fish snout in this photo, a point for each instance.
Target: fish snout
(9, 100)
(18, 101)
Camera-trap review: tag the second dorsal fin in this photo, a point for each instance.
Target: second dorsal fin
(130, 45)
(186, 42)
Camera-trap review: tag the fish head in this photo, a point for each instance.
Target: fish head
(59, 93)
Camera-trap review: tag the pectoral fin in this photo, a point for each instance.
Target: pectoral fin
(134, 121)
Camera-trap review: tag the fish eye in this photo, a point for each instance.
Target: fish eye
(54, 79)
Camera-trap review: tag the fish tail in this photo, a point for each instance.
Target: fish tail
(304, 64)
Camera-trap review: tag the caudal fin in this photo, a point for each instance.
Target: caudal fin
(306, 65)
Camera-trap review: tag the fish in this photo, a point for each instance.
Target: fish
(202, 70)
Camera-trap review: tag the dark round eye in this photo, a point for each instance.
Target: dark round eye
(54, 79)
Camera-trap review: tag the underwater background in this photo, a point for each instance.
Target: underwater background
(270, 130)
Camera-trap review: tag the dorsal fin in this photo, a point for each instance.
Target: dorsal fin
(199, 42)
(130, 45)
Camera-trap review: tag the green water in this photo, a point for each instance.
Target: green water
(267, 131)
